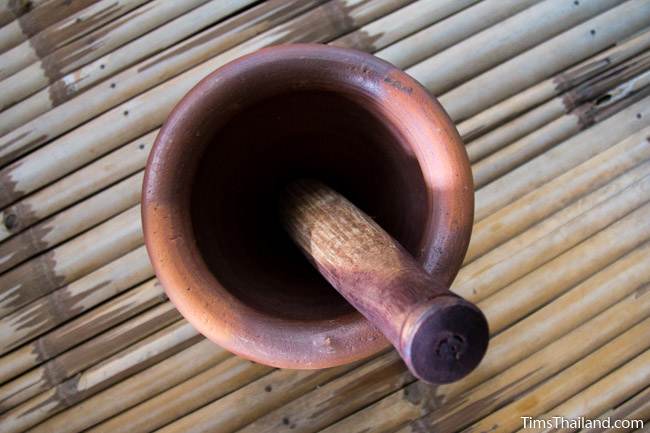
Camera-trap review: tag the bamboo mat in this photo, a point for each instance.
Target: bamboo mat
(552, 99)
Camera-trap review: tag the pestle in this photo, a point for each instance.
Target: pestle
(440, 336)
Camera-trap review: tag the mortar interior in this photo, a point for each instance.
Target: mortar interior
(349, 144)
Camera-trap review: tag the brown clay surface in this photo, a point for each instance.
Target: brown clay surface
(228, 150)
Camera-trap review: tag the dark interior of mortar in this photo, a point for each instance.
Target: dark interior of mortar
(248, 163)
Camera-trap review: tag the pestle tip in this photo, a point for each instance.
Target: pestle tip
(444, 339)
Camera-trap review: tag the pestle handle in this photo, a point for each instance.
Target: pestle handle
(440, 336)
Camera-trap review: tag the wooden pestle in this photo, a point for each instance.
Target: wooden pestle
(440, 336)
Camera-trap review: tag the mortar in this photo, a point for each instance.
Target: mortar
(232, 144)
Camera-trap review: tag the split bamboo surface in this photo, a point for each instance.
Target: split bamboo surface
(72, 221)
(81, 64)
(23, 19)
(393, 27)
(560, 82)
(148, 383)
(67, 365)
(81, 329)
(74, 298)
(498, 43)
(547, 130)
(561, 51)
(76, 186)
(611, 390)
(64, 264)
(170, 405)
(593, 89)
(559, 159)
(92, 380)
(636, 408)
(247, 404)
(552, 100)
(9, 11)
(105, 39)
(64, 32)
(548, 198)
(439, 36)
(544, 241)
(151, 71)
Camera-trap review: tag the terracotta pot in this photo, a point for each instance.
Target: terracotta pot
(215, 173)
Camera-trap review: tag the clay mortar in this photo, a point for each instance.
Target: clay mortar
(226, 153)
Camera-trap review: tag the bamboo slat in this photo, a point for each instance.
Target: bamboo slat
(64, 264)
(392, 27)
(11, 35)
(190, 395)
(551, 196)
(450, 31)
(553, 86)
(338, 397)
(148, 110)
(560, 159)
(248, 403)
(64, 32)
(605, 288)
(105, 39)
(500, 42)
(539, 252)
(600, 90)
(135, 358)
(538, 231)
(68, 364)
(611, 390)
(517, 128)
(137, 388)
(562, 128)
(81, 329)
(591, 368)
(76, 186)
(24, 19)
(71, 222)
(558, 53)
(636, 408)
(10, 10)
(7, 14)
(514, 302)
(74, 82)
(77, 297)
